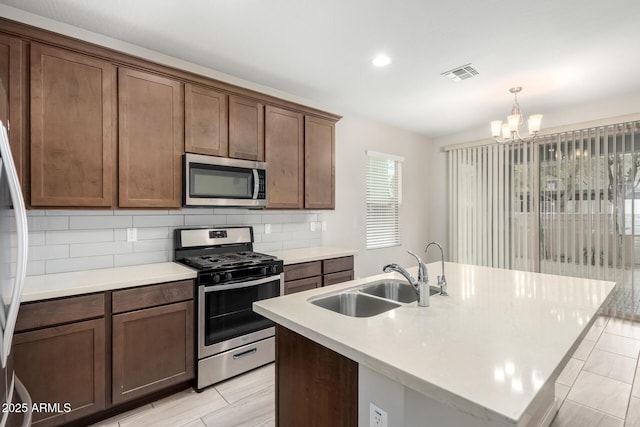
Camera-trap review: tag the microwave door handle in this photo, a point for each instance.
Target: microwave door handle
(22, 238)
(256, 183)
(239, 285)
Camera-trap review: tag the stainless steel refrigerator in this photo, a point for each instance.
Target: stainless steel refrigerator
(14, 399)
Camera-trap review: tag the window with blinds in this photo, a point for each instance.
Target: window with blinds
(384, 195)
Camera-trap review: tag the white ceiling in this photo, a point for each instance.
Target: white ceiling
(563, 52)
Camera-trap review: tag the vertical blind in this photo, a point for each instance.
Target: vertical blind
(568, 204)
(384, 195)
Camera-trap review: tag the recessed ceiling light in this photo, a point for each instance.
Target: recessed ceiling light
(381, 61)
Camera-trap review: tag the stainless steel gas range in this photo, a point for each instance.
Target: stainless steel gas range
(232, 339)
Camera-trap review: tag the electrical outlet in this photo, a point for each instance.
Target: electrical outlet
(377, 417)
(267, 229)
(132, 234)
(324, 225)
(312, 226)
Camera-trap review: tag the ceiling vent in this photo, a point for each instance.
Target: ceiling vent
(461, 73)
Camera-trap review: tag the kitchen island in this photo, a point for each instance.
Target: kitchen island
(486, 355)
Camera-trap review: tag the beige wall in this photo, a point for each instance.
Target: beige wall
(346, 225)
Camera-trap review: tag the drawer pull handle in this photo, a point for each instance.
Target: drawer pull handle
(245, 353)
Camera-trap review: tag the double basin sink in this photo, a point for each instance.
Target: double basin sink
(370, 299)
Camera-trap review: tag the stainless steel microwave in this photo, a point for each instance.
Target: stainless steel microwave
(218, 181)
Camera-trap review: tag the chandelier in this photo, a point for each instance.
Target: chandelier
(509, 132)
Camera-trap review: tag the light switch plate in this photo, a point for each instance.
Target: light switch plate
(267, 229)
(312, 226)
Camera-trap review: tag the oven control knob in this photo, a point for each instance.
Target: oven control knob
(228, 276)
(273, 269)
(215, 278)
(263, 271)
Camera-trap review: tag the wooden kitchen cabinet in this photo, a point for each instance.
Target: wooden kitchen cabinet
(313, 383)
(153, 345)
(151, 140)
(73, 118)
(319, 163)
(62, 360)
(12, 112)
(284, 154)
(205, 121)
(309, 275)
(246, 129)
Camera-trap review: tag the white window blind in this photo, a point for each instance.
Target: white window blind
(384, 195)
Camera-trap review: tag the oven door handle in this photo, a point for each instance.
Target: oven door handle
(239, 285)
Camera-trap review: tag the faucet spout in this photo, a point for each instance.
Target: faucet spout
(442, 281)
(421, 286)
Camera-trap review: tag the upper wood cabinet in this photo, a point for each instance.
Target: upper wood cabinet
(151, 140)
(285, 158)
(246, 129)
(72, 129)
(205, 121)
(11, 111)
(319, 163)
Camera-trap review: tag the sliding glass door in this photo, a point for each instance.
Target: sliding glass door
(567, 204)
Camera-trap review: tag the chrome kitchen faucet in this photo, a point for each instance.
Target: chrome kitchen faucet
(442, 281)
(421, 286)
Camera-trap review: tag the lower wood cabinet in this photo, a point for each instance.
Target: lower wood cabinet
(152, 349)
(63, 364)
(313, 383)
(99, 350)
(309, 275)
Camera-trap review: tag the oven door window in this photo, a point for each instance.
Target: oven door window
(209, 181)
(229, 313)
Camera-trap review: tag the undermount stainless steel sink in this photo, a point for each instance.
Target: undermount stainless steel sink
(355, 304)
(396, 290)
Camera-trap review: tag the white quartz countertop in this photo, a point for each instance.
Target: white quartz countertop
(296, 256)
(486, 349)
(81, 282)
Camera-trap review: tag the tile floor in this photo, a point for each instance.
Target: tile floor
(247, 400)
(600, 386)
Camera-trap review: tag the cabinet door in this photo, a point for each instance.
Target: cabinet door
(319, 163)
(285, 158)
(205, 121)
(11, 111)
(152, 349)
(63, 364)
(151, 140)
(246, 129)
(72, 129)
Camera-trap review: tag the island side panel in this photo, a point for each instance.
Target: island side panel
(314, 385)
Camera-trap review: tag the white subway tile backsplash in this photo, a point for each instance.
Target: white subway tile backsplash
(98, 222)
(135, 258)
(78, 264)
(146, 212)
(45, 223)
(78, 236)
(153, 245)
(210, 220)
(35, 268)
(65, 240)
(154, 233)
(37, 253)
(158, 220)
(269, 246)
(100, 248)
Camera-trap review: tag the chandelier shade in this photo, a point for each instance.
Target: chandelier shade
(510, 131)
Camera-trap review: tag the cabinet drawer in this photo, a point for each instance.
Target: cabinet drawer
(333, 278)
(302, 270)
(294, 286)
(152, 295)
(337, 264)
(55, 312)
